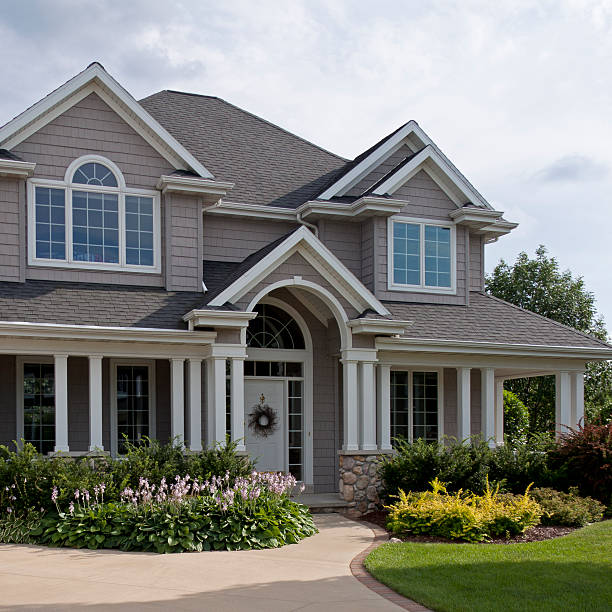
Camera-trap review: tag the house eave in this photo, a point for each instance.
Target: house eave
(261, 211)
(362, 208)
(218, 318)
(209, 190)
(378, 327)
(433, 345)
(12, 168)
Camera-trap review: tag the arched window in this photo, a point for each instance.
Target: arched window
(93, 220)
(93, 173)
(273, 328)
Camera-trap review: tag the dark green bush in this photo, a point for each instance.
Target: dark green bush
(516, 419)
(19, 529)
(569, 509)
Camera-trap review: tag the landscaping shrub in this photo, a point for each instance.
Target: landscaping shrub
(583, 458)
(462, 516)
(569, 509)
(187, 515)
(516, 418)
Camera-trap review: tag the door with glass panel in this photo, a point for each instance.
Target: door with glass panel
(133, 404)
(39, 406)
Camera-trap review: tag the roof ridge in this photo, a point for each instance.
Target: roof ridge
(573, 329)
(257, 117)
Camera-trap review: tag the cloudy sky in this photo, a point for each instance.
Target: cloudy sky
(518, 94)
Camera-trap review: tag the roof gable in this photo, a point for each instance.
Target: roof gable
(94, 79)
(425, 154)
(305, 243)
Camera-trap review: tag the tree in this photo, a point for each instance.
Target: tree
(516, 418)
(540, 286)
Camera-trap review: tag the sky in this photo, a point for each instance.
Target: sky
(517, 94)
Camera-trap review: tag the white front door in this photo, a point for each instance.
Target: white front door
(267, 445)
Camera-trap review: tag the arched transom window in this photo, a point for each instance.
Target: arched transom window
(92, 220)
(273, 328)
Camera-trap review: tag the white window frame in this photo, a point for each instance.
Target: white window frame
(422, 287)
(411, 371)
(150, 364)
(20, 361)
(121, 191)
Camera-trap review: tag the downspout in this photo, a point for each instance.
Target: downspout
(313, 228)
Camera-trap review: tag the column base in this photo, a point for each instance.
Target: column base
(360, 485)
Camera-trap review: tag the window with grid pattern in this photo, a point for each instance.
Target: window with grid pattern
(39, 406)
(133, 404)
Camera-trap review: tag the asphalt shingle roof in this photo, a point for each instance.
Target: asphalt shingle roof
(95, 304)
(487, 319)
(267, 164)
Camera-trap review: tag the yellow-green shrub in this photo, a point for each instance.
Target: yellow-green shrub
(462, 516)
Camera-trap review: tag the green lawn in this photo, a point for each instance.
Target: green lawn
(570, 573)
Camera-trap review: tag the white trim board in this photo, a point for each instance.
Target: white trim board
(304, 242)
(415, 138)
(95, 79)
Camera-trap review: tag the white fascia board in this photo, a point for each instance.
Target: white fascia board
(323, 261)
(378, 326)
(41, 113)
(344, 183)
(94, 332)
(261, 211)
(431, 155)
(218, 318)
(209, 190)
(432, 345)
(367, 206)
(16, 168)
(471, 215)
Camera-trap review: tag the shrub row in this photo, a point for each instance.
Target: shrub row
(582, 458)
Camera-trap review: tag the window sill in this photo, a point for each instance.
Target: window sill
(92, 267)
(413, 289)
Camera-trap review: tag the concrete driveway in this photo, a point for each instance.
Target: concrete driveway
(313, 575)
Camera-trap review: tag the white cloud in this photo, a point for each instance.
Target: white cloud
(509, 90)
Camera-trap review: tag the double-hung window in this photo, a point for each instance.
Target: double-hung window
(91, 220)
(421, 256)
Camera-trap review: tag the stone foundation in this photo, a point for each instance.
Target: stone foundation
(360, 485)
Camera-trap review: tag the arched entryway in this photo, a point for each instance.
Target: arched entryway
(278, 390)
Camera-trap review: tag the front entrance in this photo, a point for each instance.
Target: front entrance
(265, 407)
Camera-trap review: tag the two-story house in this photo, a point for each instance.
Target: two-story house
(176, 267)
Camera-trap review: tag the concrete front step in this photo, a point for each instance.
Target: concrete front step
(320, 503)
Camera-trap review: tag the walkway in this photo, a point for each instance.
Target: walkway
(312, 576)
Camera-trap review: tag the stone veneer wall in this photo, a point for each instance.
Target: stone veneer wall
(360, 485)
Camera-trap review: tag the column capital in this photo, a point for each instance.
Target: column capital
(60, 355)
(91, 357)
(195, 359)
(176, 359)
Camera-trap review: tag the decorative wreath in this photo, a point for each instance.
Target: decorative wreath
(263, 419)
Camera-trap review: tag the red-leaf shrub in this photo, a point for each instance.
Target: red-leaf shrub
(583, 458)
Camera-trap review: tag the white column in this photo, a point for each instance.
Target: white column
(367, 402)
(194, 428)
(216, 400)
(577, 381)
(61, 402)
(563, 403)
(499, 411)
(95, 403)
(383, 411)
(349, 394)
(463, 403)
(237, 396)
(177, 399)
(487, 402)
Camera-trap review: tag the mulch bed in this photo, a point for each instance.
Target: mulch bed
(535, 534)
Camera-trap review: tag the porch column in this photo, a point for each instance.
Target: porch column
(463, 403)
(577, 382)
(499, 411)
(563, 402)
(216, 400)
(237, 399)
(177, 399)
(61, 402)
(95, 403)
(349, 389)
(367, 406)
(487, 403)
(194, 428)
(383, 392)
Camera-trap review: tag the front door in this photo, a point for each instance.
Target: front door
(265, 423)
